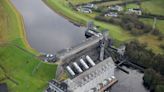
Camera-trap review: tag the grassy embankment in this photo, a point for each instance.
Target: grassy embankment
(19, 67)
(116, 32)
(61, 6)
(80, 1)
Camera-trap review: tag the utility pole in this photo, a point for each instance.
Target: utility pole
(154, 23)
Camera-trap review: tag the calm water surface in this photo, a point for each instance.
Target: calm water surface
(131, 82)
(48, 32)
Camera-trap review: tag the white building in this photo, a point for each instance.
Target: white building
(116, 8)
(84, 10)
(91, 6)
(111, 14)
(135, 11)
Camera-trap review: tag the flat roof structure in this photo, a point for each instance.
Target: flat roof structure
(94, 74)
(93, 77)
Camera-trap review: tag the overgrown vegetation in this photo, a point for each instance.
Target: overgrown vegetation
(131, 24)
(154, 64)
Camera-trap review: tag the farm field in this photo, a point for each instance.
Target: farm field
(159, 23)
(153, 6)
(80, 1)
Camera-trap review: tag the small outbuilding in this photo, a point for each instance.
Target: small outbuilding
(136, 11)
(116, 8)
(87, 8)
(91, 6)
(84, 10)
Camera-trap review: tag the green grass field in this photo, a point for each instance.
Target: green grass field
(80, 1)
(110, 3)
(132, 6)
(25, 71)
(153, 6)
(152, 43)
(159, 23)
(20, 69)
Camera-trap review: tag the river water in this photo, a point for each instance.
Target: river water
(48, 32)
(131, 82)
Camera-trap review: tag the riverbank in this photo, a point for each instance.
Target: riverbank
(21, 39)
(21, 30)
(19, 67)
(61, 7)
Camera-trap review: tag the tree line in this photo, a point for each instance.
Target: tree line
(154, 64)
(131, 24)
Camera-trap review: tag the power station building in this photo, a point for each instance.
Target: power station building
(89, 66)
(95, 79)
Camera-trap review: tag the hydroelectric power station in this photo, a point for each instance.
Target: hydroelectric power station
(87, 67)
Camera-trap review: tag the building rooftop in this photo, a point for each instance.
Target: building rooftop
(92, 77)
